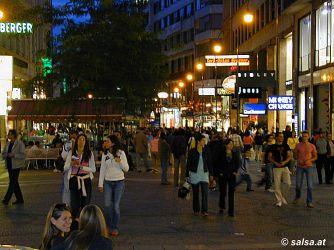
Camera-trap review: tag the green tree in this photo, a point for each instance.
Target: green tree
(109, 54)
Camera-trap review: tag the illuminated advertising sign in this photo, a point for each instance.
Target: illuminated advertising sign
(228, 86)
(227, 60)
(206, 91)
(254, 109)
(19, 28)
(280, 103)
(251, 92)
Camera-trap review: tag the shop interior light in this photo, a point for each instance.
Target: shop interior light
(163, 95)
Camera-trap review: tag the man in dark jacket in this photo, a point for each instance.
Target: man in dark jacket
(179, 149)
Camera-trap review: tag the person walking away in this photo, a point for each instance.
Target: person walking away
(237, 143)
(321, 145)
(244, 176)
(258, 140)
(14, 156)
(199, 171)
(229, 163)
(268, 171)
(141, 144)
(65, 191)
(164, 152)
(287, 133)
(154, 147)
(81, 165)
(292, 142)
(57, 226)
(111, 180)
(92, 233)
(330, 156)
(280, 155)
(179, 150)
(306, 154)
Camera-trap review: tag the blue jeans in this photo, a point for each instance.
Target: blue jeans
(299, 182)
(164, 167)
(113, 191)
(247, 179)
(269, 175)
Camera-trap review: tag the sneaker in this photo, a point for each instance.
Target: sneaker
(114, 232)
(205, 214)
(295, 201)
(284, 201)
(249, 190)
(310, 205)
(165, 183)
(270, 190)
(279, 204)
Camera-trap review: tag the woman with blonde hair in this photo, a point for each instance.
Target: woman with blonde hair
(57, 226)
(92, 233)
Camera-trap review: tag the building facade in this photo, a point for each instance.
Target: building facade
(22, 45)
(188, 29)
(293, 38)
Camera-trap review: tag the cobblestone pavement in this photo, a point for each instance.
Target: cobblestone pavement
(153, 217)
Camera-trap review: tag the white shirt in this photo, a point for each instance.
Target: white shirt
(112, 170)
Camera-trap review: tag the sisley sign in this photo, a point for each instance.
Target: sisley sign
(19, 28)
(280, 103)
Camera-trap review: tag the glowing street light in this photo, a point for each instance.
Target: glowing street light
(181, 84)
(199, 66)
(90, 96)
(176, 90)
(217, 48)
(248, 17)
(189, 77)
(2, 14)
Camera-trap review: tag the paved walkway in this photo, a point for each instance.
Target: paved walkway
(153, 217)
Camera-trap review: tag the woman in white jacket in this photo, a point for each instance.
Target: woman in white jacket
(80, 165)
(111, 181)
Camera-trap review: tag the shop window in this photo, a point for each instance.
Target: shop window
(323, 35)
(304, 43)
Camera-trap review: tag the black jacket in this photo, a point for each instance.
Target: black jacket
(179, 146)
(225, 166)
(193, 159)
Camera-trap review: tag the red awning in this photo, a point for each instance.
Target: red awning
(73, 110)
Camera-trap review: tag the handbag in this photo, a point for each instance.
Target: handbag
(73, 182)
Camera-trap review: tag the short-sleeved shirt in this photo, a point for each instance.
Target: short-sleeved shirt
(305, 152)
(280, 153)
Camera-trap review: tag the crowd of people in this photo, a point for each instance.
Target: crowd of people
(204, 159)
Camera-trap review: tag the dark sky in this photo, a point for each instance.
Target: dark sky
(58, 3)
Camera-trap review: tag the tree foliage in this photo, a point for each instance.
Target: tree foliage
(108, 54)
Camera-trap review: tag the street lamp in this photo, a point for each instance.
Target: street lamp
(248, 17)
(190, 78)
(217, 48)
(199, 68)
(2, 14)
(90, 96)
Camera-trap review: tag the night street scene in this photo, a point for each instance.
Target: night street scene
(166, 124)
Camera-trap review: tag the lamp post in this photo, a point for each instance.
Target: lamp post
(190, 78)
(217, 48)
(200, 68)
(247, 18)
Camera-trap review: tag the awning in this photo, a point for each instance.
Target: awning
(67, 110)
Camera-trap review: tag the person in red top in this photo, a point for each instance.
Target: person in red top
(306, 154)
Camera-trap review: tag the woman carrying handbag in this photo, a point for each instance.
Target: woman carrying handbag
(199, 171)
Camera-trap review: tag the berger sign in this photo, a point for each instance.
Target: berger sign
(227, 60)
(19, 28)
(280, 103)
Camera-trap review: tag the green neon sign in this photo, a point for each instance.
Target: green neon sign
(19, 28)
(47, 66)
